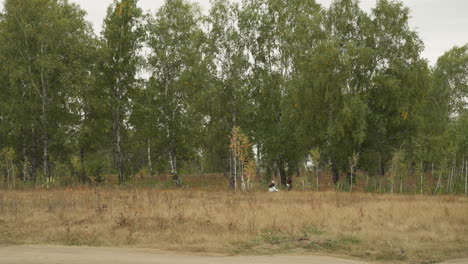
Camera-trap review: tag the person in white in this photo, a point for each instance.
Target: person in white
(272, 187)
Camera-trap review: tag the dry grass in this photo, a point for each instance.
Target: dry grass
(413, 229)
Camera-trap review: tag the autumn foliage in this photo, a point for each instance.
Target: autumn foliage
(244, 164)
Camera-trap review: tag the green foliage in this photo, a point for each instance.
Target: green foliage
(8, 167)
(44, 46)
(120, 46)
(177, 71)
(292, 76)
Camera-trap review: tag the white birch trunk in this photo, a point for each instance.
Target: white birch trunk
(117, 148)
(173, 165)
(454, 177)
(422, 180)
(233, 180)
(150, 164)
(466, 178)
(235, 168)
(25, 168)
(45, 136)
(8, 173)
(462, 168)
(438, 183)
(393, 176)
(12, 166)
(367, 180)
(241, 170)
(449, 180)
(401, 184)
(316, 177)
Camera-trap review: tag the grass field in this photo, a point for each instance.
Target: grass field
(375, 227)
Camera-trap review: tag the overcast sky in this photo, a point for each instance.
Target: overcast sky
(441, 24)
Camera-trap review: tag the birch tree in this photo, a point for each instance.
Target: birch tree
(42, 42)
(277, 35)
(175, 63)
(399, 83)
(227, 97)
(122, 38)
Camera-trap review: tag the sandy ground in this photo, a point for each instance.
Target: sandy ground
(85, 255)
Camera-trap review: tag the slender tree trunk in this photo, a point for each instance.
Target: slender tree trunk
(44, 121)
(336, 174)
(282, 172)
(432, 170)
(401, 184)
(45, 137)
(303, 178)
(46, 157)
(7, 173)
(82, 164)
(150, 164)
(392, 178)
(450, 179)
(317, 177)
(259, 158)
(26, 165)
(117, 148)
(466, 178)
(241, 171)
(26, 176)
(173, 163)
(353, 166)
(34, 163)
(131, 167)
(454, 176)
(12, 166)
(462, 169)
(172, 145)
(44, 98)
(381, 167)
(234, 174)
(367, 180)
(230, 169)
(422, 179)
(412, 169)
(438, 182)
(233, 151)
(233, 180)
(201, 171)
(303, 181)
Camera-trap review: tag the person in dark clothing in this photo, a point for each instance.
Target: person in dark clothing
(289, 183)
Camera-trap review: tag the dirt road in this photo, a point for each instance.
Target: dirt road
(85, 255)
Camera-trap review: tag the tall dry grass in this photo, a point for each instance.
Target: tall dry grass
(367, 226)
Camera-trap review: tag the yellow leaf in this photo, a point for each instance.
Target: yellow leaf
(404, 115)
(119, 9)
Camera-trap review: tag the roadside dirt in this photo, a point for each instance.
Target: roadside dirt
(85, 255)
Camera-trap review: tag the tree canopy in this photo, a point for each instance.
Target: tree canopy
(167, 92)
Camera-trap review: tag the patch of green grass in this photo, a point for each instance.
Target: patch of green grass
(350, 240)
(392, 254)
(311, 230)
(327, 245)
(273, 237)
(331, 244)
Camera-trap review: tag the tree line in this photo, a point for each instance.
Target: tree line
(173, 91)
